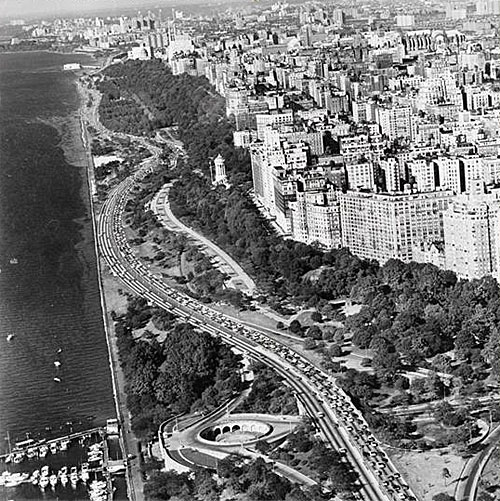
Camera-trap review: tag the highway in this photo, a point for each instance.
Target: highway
(341, 424)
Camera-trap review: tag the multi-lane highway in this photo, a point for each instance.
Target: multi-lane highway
(341, 424)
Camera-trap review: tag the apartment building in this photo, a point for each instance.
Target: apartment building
(471, 233)
(385, 226)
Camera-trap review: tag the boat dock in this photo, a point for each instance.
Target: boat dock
(22, 447)
(93, 457)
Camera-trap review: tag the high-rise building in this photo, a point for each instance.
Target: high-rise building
(385, 226)
(423, 171)
(395, 121)
(392, 173)
(471, 233)
(315, 217)
(360, 176)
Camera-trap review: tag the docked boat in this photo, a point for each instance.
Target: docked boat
(53, 448)
(31, 453)
(43, 451)
(9, 458)
(63, 471)
(19, 457)
(64, 445)
(53, 480)
(74, 470)
(74, 478)
(44, 471)
(43, 482)
(64, 479)
(84, 474)
(4, 477)
(15, 479)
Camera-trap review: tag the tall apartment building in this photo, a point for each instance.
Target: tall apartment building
(423, 171)
(275, 165)
(315, 217)
(449, 173)
(471, 233)
(361, 146)
(385, 226)
(395, 121)
(275, 120)
(392, 172)
(360, 176)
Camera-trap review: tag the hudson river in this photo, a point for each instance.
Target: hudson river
(49, 296)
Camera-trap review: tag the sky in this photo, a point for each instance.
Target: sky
(45, 8)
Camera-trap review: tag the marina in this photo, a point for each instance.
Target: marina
(84, 465)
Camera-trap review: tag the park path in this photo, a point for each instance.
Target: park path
(160, 205)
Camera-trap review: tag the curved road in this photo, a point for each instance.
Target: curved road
(344, 428)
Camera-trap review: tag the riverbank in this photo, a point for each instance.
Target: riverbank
(111, 301)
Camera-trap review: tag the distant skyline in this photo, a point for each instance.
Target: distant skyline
(50, 8)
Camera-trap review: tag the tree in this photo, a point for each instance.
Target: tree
(491, 353)
(445, 475)
(316, 316)
(314, 332)
(309, 344)
(335, 351)
(295, 327)
(443, 496)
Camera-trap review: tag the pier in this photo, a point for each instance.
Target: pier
(34, 444)
(94, 456)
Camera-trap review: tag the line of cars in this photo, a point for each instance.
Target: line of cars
(345, 414)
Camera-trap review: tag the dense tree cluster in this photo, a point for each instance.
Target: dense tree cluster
(189, 371)
(235, 479)
(269, 395)
(304, 451)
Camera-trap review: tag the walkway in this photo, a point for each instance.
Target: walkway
(468, 482)
(240, 279)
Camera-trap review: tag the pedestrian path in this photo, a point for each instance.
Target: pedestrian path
(225, 263)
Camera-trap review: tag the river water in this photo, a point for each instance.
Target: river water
(49, 296)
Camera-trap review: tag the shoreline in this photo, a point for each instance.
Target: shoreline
(105, 292)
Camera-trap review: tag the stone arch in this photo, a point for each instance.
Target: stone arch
(226, 429)
(236, 427)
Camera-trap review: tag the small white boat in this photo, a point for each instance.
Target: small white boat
(13, 261)
(10, 337)
(57, 380)
(15, 479)
(57, 363)
(59, 350)
(53, 480)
